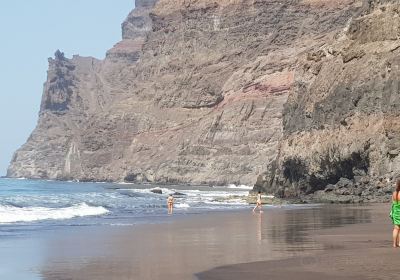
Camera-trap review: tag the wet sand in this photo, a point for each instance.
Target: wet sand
(359, 251)
(333, 242)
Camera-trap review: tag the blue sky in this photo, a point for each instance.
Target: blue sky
(31, 31)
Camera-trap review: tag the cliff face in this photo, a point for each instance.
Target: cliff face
(342, 119)
(195, 92)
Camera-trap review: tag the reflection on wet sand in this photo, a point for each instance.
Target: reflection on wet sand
(188, 245)
(352, 244)
(294, 230)
(259, 227)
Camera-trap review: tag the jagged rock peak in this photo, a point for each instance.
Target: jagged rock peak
(145, 3)
(138, 22)
(59, 85)
(58, 55)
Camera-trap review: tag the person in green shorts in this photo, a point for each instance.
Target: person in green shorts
(395, 214)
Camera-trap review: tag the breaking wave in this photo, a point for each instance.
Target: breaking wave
(12, 214)
(240, 187)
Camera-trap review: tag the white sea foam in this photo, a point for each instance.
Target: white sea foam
(182, 205)
(240, 187)
(227, 202)
(11, 214)
(225, 194)
(202, 198)
(150, 191)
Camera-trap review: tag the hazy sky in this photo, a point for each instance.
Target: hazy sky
(31, 31)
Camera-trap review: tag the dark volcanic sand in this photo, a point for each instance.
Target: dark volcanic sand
(359, 251)
(328, 242)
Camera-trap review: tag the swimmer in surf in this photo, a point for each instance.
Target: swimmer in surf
(258, 203)
(170, 203)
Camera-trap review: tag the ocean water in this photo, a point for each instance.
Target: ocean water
(27, 205)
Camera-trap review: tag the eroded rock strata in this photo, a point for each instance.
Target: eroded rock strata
(341, 136)
(197, 92)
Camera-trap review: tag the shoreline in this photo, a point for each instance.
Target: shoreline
(216, 244)
(184, 246)
(228, 244)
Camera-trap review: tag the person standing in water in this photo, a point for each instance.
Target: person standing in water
(395, 214)
(258, 203)
(170, 203)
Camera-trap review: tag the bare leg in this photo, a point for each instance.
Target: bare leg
(395, 236)
(255, 207)
(398, 237)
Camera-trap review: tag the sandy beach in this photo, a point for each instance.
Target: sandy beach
(333, 241)
(353, 251)
(329, 241)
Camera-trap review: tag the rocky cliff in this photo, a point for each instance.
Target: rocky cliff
(341, 123)
(197, 92)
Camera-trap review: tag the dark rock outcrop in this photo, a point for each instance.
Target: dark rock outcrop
(342, 117)
(156, 191)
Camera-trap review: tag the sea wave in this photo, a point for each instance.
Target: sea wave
(195, 198)
(12, 214)
(239, 187)
(182, 205)
(227, 202)
(121, 183)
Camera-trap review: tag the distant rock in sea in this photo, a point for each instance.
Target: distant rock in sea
(157, 191)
